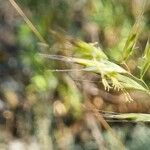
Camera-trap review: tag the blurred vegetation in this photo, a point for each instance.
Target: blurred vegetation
(45, 109)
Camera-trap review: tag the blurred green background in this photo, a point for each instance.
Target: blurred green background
(44, 110)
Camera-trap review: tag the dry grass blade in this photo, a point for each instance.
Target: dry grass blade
(28, 22)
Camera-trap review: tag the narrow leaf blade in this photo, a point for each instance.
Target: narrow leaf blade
(145, 61)
(131, 40)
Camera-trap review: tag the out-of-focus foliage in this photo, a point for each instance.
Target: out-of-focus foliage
(50, 110)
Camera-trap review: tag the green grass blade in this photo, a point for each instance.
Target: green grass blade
(131, 40)
(137, 117)
(130, 83)
(145, 61)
